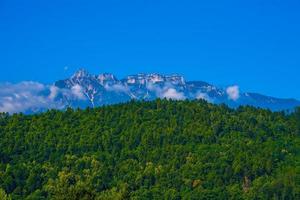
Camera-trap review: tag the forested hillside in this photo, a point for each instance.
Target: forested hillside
(151, 150)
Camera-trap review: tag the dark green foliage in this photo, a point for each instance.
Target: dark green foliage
(151, 150)
(297, 119)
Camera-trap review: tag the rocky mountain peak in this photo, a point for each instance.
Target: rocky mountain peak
(106, 78)
(105, 88)
(81, 73)
(176, 79)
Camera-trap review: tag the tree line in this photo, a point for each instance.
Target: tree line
(160, 149)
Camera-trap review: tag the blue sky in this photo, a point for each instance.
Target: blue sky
(254, 44)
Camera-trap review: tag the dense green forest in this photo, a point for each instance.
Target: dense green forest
(151, 150)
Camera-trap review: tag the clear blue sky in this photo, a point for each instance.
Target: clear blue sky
(255, 44)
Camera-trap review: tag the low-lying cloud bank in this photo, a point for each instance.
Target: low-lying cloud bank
(33, 96)
(172, 93)
(21, 96)
(26, 95)
(167, 92)
(204, 96)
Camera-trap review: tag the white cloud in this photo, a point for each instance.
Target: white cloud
(22, 87)
(171, 93)
(116, 88)
(233, 92)
(201, 95)
(28, 95)
(53, 92)
(165, 92)
(154, 88)
(23, 96)
(77, 90)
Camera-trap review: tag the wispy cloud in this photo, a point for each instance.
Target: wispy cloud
(77, 91)
(28, 95)
(53, 92)
(22, 96)
(116, 88)
(167, 91)
(172, 93)
(201, 95)
(233, 92)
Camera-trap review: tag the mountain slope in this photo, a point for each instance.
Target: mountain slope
(86, 90)
(107, 89)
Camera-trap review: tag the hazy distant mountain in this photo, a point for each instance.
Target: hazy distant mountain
(86, 90)
(107, 89)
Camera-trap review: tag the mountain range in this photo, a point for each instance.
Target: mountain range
(83, 90)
